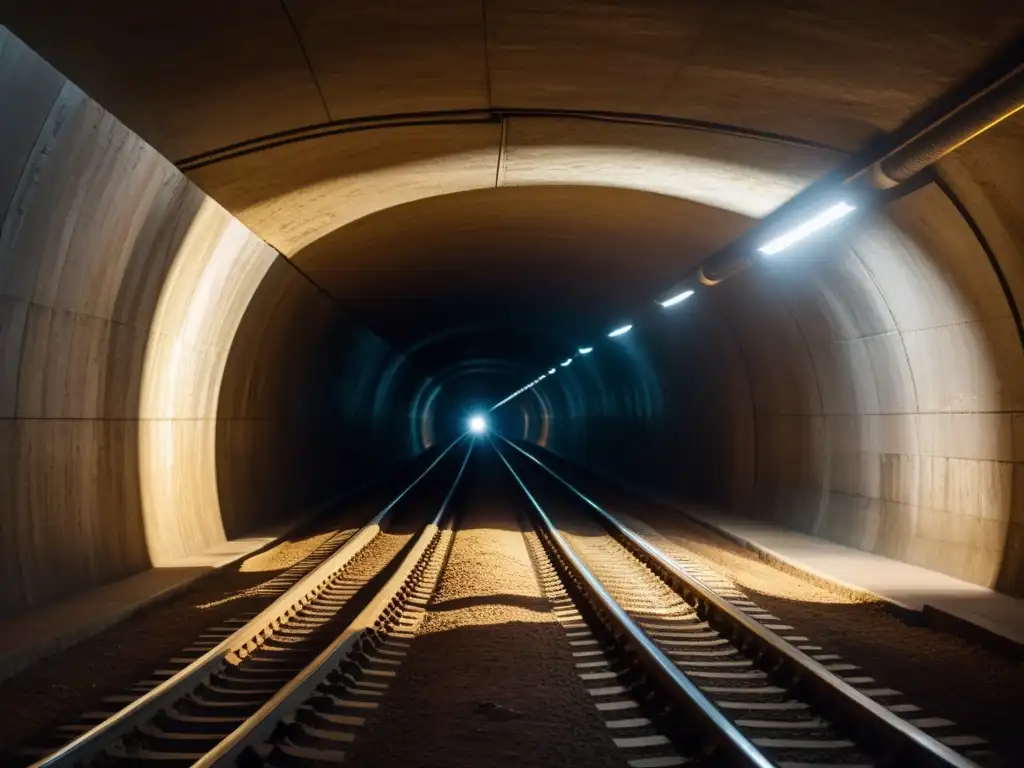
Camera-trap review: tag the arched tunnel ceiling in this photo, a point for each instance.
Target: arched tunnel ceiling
(267, 105)
(515, 273)
(193, 76)
(295, 193)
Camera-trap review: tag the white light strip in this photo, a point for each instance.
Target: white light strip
(529, 386)
(586, 350)
(676, 299)
(566, 362)
(806, 229)
(620, 331)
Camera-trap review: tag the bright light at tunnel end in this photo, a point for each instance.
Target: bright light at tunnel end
(477, 425)
(808, 228)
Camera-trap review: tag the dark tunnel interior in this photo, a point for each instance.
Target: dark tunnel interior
(264, 294)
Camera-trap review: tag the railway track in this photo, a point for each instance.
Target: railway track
(187, 717)
(677, 663)
(254, 599)
(757, 697)
(315, 718)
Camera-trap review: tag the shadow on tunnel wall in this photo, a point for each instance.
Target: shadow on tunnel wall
(311, 405)
(142, 422)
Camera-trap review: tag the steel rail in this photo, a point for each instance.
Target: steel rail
(259, 727)
(844, 703)
(734, 746)
(236, 646)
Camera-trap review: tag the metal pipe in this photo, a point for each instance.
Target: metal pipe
(982, 111)
(986, 108)
(723, 265)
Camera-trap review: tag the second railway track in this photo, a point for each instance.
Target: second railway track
(784, 705)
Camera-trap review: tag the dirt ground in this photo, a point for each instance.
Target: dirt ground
(489, 679)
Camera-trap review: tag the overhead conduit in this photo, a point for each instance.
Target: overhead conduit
(940, 494)
(977, 114)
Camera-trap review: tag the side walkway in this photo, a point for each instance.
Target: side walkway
(939, 600)
(917, 594)
(37, 634)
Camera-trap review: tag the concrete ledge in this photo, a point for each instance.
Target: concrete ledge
(707, 519)
(791, 565)
(29, 637)
(977, 630)
(915, 594)
(32, 636)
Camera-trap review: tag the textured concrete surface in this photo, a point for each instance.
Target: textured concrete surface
(868, 391)
(893, 427)
(808, 69)
(296, 193)
(150, 375)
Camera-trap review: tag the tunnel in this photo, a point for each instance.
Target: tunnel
(255, 254)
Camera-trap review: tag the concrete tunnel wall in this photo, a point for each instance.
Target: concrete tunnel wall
(868, 390)
(168, 379)
(829, 428)
(882, 370)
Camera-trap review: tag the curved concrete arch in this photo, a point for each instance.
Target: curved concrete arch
(871, 392)
(295, 194)
(875, 442)
(151, 375)
(909, 284)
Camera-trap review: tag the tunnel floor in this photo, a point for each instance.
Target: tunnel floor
(495, 658)
(488, 636)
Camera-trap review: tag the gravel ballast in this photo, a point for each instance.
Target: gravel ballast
(980, 689)
(489, 679)
(58, 689)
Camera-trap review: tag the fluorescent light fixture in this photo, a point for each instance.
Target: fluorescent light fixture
(477, 425)
(566, 362)
(808, 228)
(551, 372)
(586, 350)
(620, 331)
(679, 297)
